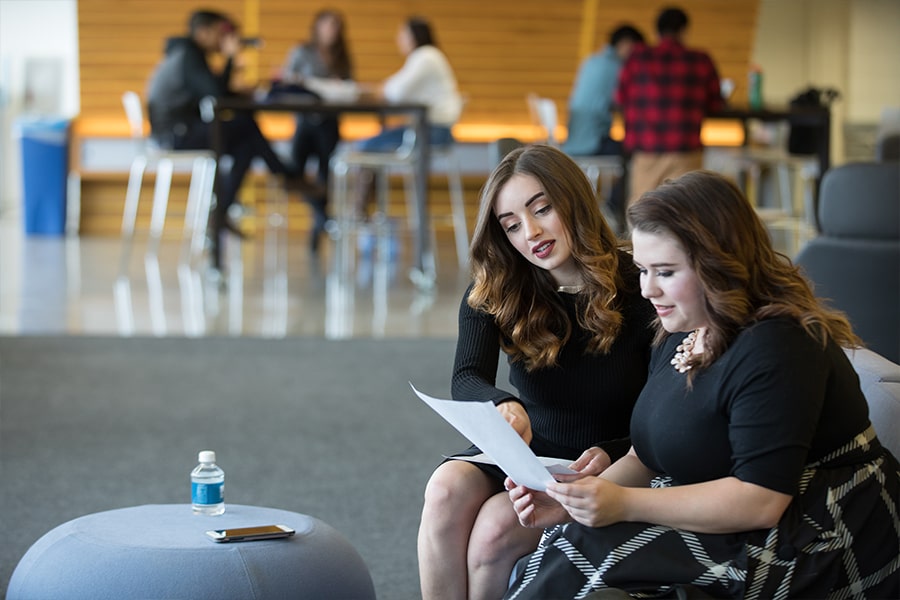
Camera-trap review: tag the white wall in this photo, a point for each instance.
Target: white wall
(873, 75)
(851, 45)
(782, 38)
(33, 30)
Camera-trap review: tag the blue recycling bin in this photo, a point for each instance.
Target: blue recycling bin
(45, 169)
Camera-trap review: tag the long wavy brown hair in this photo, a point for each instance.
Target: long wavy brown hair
(336, 55)
(744, 279)
(522, 297)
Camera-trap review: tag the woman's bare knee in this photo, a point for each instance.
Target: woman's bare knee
(455, 493)
(497, 537)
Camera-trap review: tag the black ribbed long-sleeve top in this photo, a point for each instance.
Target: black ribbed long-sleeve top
(585, 400)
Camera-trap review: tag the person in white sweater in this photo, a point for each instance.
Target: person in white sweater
(425, 78)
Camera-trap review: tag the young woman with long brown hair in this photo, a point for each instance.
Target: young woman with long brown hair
(553, 290)
(324, 56)
(754, 470)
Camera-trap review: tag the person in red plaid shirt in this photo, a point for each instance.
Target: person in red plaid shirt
(664, 93)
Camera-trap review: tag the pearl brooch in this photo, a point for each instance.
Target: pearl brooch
(683, 353)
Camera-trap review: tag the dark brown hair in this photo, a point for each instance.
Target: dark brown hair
(522, 297)
(421, 31)
(744, 279)
(336, 56)
(205, 18)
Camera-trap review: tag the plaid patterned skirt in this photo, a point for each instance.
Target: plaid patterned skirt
(839, 538)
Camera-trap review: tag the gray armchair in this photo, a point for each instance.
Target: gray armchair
(855, 262)
(879, 379)
(887, 148)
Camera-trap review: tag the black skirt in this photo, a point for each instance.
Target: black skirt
(839, 538)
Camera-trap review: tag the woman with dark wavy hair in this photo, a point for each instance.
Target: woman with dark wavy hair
(754, 470)
(554, 291)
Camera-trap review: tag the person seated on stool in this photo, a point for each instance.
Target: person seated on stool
(425, 78)
(324, 56)
(181, 80)
(591, 100)
(590, 109)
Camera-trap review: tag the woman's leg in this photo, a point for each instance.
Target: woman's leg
(387, 141)
(497, 541)
(302, 145)
(440, 135)
(453, 497)
(325, 140)
(328, 134)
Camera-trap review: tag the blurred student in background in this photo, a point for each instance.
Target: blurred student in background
(425, 78)
(591, 101)
(178, 86)
(665, 91)
(590, 109)
(323, 56)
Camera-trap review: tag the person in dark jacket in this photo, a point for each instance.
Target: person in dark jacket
(178, 86)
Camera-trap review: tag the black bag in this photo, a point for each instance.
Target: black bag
(295, 91)
(804, 139)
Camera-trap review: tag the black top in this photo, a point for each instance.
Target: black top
(178, 84)
(585, 400)
(775, 401)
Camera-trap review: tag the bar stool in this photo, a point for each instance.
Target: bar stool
(789, 213)
(600, 170)
(200, 194)
(755, 160)
(346, 222)
(383, 163)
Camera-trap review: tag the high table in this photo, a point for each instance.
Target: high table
(817, 117)
(418, 120)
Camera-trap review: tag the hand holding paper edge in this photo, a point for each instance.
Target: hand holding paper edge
(482, 424)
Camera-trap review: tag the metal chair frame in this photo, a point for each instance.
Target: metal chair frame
(600, 170)
(383, 163)
(150, 156)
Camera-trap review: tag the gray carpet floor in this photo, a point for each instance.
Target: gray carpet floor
(325, 428)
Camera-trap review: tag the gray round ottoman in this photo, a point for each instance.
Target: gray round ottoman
(162, 551)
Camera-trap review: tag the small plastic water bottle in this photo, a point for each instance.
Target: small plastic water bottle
(208, 486)
(755, 91)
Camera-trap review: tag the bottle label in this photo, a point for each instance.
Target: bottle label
(207, 493)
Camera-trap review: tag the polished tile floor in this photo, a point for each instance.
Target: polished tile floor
(270, 288)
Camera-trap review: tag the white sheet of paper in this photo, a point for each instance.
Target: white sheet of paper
(333, 90)
(483, 425)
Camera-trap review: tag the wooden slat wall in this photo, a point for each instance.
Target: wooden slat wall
(500, 50)
(120, 41)
(724, 28)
